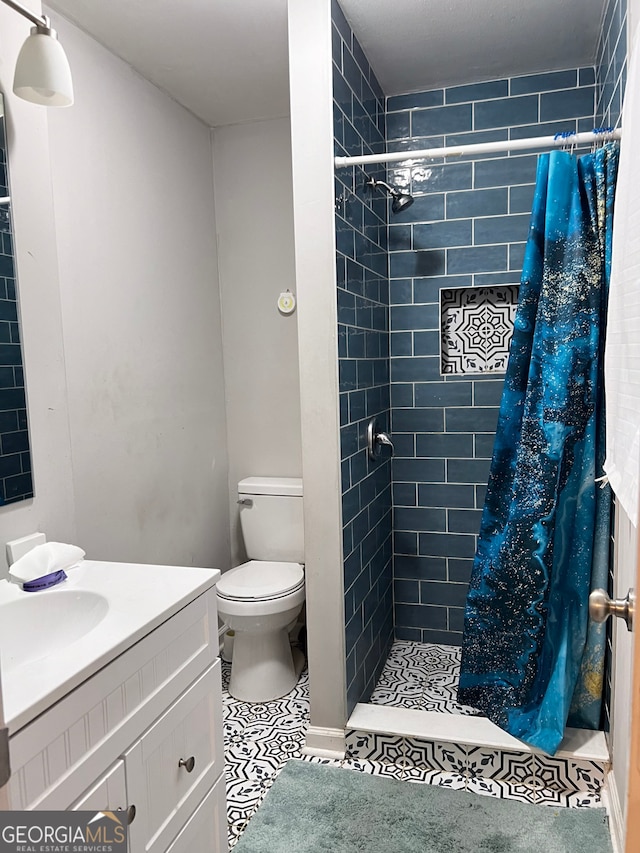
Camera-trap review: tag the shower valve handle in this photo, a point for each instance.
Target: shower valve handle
(383, 438)
(376, 439)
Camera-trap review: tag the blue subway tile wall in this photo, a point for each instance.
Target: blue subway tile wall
(363, 358)
(15, 458)
(467, 228)
(611, 64)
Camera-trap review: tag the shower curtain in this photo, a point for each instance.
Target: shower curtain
(529, 654)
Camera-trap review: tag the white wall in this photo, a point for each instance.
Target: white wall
(622, 664)
(625, 555)
(133, 194)
(254, 216)
(313, 200)
(52, 508)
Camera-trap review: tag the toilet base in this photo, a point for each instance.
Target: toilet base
(264, 666)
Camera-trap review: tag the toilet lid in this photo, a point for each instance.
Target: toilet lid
(259, 580)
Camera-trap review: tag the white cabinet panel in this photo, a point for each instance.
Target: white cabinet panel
(165, 793)
(109, 793)
(206, 829)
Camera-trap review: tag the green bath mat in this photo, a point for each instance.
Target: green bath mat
(312, 808)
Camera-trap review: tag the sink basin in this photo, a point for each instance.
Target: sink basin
(53, 640)
(41, 623)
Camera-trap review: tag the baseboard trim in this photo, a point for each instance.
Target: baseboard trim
(324, 743)
(611, 800)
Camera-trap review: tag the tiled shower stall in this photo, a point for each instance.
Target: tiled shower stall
(426, 300)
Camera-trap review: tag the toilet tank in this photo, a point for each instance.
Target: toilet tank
(271, 518)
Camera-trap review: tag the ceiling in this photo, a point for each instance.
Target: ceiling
(226, 60)
(421, 44)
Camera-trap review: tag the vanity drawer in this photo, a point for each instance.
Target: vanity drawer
(161, 781)
(109, 793)
(206, 829)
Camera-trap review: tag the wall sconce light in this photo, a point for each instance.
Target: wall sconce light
(42, 73)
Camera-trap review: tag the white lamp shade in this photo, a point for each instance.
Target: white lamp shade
(42, 73)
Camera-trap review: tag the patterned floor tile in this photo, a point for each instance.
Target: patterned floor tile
(450, 758)
(243, 794)
(521, 793)
(319, 759)
(517, 768)
(421, 676)
(482, 762)
(418, 773)
(567, 774)
(390, 696)
(374, 768)
(550, 797)
(419, 753)
(357, 741)
(447, 780)
(486, 787)
(584, 800)
(385, 749)
(260, 738)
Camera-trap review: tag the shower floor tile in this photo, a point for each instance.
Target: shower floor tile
(422, 676)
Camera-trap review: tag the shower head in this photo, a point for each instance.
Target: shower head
(400, 200)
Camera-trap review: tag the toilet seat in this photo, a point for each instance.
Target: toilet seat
(260, 580)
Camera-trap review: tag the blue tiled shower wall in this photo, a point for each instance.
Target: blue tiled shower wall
(15, 458)
(611, 64)
(467, 228)
(611, 76)
(363, 341)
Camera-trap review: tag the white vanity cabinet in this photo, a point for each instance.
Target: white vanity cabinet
(109, 793)
(142, 734)
(175, 764)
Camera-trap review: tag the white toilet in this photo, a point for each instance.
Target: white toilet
(260, 600)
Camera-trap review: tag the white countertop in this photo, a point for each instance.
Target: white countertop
(139, 598)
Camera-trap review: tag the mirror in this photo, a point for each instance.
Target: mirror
(16, 483)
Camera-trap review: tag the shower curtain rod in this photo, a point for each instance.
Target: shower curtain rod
(560, 140)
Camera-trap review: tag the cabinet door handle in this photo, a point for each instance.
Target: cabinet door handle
(188, 764)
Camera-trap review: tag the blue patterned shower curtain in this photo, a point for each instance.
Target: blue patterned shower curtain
(529, 654)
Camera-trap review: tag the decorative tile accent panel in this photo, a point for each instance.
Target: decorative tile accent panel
(363, 360)
(490, 772)
(467, 229)
(476, 327)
